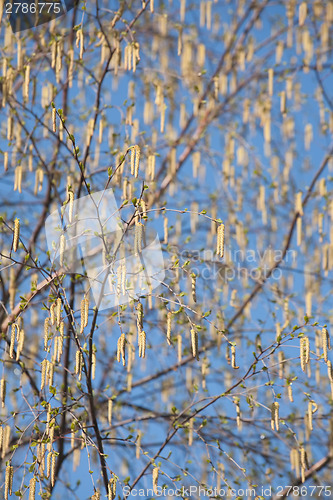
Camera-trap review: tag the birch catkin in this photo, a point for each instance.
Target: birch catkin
(194, 343)
(169, 316)
(326, 344)
(32, 488)
(142, 344)
(275, 416)
(16, 234)
(121, 349)
(155, 479)
(8, 481)
(304, 352)
(3, 392)
(220, 241)
(233, 357)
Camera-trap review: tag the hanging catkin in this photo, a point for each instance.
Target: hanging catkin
(233, 357)
(304, 352)
(16, 234)
(121, 349)
(3, 392)
(62, 249)
(194, 295)
(326, 344)
(169, 316)
(46, 332)
(155, 479)
(9, 481)
(220, 241)
(142, 344)
(32, 488)
(194, 343)
(275, 416)
(290, 393)
(110, 406)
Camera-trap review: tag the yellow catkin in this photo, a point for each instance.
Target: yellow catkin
(26, 83)
(12, 340)
(110, 407)
(3, 392)
(290, 393)
(190, 432)
(52, 313)
(142, 344)
(194, 343)
(155, 479)
(18, 179)
(179, 347)
(220, 241)
(169, 317)
(16, 236)
(193, 286)
(166, 230)
(43, 374)
(54, 120)
(303, 463)
(32, 488)
(62, 249)
(275, 416)
(82, 315)
(304, 352)
(112, 488)
(71, 205)
(302, 13)
(53, 468)
(78, 363)
(132, 159)
(93, 365)
(326, 344)
(46, 332)
(139, 318)
(233, 357)
(58, 311)
(137, 161)
(121, 349)
(299, 203)
(138, 446)
(9, 481)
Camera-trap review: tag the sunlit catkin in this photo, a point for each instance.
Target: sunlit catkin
(233, 357)
(193, 286)
(110, 407)
(46, 332)
(54, 120)
(155, 479)
(290, 393)
(16, 236)
(142, 344)
(8, 481)
(220, 241)
(275, 416)
(304, 351)
(58, 311)
(121, 349)
(62, 249)
(194, 343)
(3, 392)
(326, 344)
(179, 348)
(12, 340)
(32, 488)
(169, 317)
